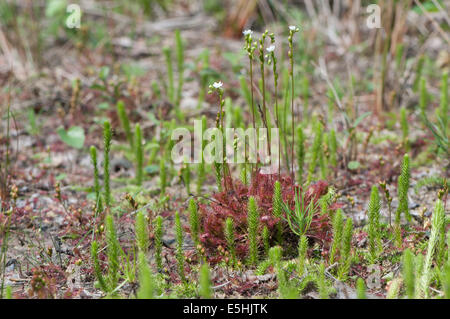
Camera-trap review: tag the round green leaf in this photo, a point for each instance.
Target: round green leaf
(73, 137)
(353, 165)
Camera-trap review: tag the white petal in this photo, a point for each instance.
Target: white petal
(271, 48)
(217, 84)
(248, 32)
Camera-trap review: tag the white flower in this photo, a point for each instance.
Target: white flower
(247, 32)
(271, 48)
(293, 28)
(217, 85)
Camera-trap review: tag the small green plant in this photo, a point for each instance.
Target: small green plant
(33, 129)
(409, 276)
(346, 258)
(107, 135)
(113, 252)
(374, 225)
(402, 190)
(229, 235)
(244, 174)
(253, 224)
(139, 154)
(300, 218)
(446, 271)
(73, 137)
(440, 246)
(284, 288)
(97, 269)
(146, 280)
(179, 249)
(8, 293)
(158, 242)
(124, 120)
(360, 289)
(205, 282)
(263, 266)
(436, 225)
(141, 232)
(194, 221)
(338, 226)
(418, 265)
(394, 289)
(321, 282)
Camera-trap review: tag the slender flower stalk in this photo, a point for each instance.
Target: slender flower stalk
(250, 47)
(292, 31)
(217, 86)
(273, 60)
(262, 62)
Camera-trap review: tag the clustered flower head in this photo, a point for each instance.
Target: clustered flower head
(250, 46)
(292, 29)
(261, 46)
(218, 87)
(271, 53)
